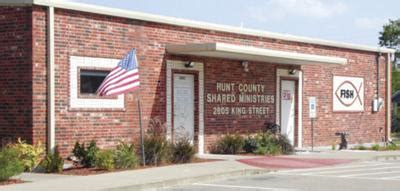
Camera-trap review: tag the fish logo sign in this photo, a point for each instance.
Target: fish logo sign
(348, 94)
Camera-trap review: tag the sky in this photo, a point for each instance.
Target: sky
(355, 21)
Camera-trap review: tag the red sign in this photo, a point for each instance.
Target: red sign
(286, 95)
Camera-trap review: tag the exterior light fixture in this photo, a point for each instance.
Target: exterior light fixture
(292, 71)
(189, 64)
(245, 65)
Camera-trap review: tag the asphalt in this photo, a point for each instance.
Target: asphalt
(357, 176)
(189, 174)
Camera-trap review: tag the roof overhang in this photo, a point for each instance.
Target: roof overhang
(248, 53)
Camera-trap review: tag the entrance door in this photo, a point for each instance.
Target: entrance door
(288, 109)
(183, 107)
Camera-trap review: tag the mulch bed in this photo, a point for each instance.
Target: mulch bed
(11, 181)
(82, 171)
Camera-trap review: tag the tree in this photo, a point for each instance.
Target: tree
(390, 37)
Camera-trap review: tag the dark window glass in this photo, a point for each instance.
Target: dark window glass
(91, 80)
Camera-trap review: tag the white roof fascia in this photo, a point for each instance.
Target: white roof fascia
(203, 25)
(15, 2)
(248, 53)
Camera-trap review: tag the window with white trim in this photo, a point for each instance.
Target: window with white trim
(86, 75)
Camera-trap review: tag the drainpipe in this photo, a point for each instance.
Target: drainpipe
(388, 97)
(50, 81)
(378, 56)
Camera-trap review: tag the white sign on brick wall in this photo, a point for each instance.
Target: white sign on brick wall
(348, 93)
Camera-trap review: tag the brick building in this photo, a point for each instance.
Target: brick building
(201, 79)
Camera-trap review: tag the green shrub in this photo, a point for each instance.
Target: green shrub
(265, 143)
(156, 149)
(285, 147)
(10, 164)
(104, 160)
(229, 144)
(86, 156)
(79, 151)
(391, 147)
(125, 156)
(250, 144)
(30, 155)
(375, 147)
(182, 151)
(360, 147)
(53, 162)
(268, 149)
(91, 152)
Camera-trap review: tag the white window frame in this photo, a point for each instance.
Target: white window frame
(75, 102)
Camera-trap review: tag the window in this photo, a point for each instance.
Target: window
(90, 80)
(85, 76)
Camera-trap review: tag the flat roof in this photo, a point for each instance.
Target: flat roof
(192, 24)
(249, 53)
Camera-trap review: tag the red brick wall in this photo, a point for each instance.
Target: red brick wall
(83, 34)
(16, 74)
(364, 126)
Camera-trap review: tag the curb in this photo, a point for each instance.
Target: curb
(387, 158)
(178, 182)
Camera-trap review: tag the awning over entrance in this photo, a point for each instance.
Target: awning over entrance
(248, 53)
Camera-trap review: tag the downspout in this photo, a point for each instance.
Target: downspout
(50, 81)
(378, 56)
(388, 97)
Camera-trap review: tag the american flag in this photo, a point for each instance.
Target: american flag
(123, 78)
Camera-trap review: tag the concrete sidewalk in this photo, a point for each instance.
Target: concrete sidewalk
(142, 179)
(174, 175)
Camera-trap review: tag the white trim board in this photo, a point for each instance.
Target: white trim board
(250, 53)
(299, 76)
(195, 24)
(180, 65)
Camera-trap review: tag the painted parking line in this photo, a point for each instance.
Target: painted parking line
(242, 187)
(352, 170)
(364, 164)
(391, 178)
(367, 174)
(363, 170)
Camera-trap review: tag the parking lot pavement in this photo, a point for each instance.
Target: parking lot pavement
(360, 176)
(373, 170)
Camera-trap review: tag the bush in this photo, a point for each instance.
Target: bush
(229, 144)
(360, 147)
(10, 164)
(156, 146)
(268, 149)
(267, 144)
(156, 149)
(375, 147)
(86, 156)
(125, 156)
(250, 144)
(79, 151)
(30, 155)
(91, 152)
(104, 159)
(392, 147)
(53, 163)
(182, 151)
(285, 147)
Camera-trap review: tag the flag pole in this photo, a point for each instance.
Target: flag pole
(141, 131)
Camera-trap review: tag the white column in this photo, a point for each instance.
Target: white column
(51, 126)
